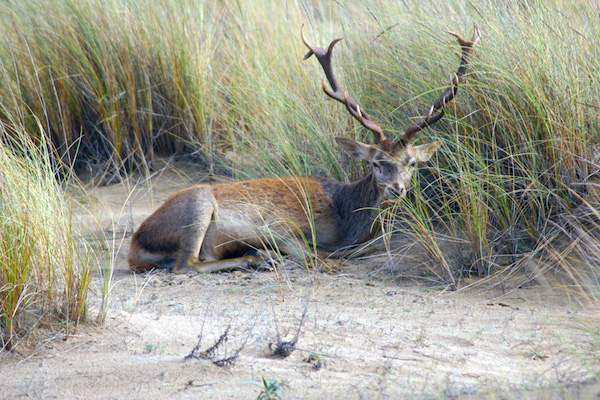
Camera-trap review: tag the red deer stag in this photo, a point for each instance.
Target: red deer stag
(209, 228)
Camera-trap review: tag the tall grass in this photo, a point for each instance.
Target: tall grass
(44, 271)
(115, 83)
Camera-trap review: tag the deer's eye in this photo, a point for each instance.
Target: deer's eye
(412, 163)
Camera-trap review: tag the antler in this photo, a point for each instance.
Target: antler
(324, 57)
(449, 93)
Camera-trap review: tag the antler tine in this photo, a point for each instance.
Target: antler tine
(364, 119)
(324, 57)
(450, 92)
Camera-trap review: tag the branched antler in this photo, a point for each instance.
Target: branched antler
(449, 93)
(324, 57)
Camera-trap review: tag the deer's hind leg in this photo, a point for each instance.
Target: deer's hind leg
(213, 258)
(193, 233)
(202, 231)
(146, 262)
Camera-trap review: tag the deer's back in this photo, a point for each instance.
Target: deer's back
(291, 203)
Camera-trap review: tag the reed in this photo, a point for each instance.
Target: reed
(44, 267)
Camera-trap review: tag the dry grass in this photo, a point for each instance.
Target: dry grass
(44, 269)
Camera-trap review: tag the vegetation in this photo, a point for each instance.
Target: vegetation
(270, 390)
(44, 271)
(106, 86)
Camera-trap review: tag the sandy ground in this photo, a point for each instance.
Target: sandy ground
(375, 335)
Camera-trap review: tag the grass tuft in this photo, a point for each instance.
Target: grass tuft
(44, 269)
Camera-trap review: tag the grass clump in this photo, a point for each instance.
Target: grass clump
(518, 173)
(44, 272)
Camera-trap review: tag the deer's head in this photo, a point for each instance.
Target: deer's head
(392, 162)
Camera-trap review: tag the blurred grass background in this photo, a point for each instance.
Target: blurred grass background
(103, 87)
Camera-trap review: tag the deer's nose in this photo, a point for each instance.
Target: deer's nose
(394, 192)
(397, 190)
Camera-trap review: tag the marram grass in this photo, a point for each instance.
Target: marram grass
(116, 83)
(44, 271)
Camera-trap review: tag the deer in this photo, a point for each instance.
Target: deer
(219, 227)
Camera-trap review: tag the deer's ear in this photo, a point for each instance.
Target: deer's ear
(424, 152)
(356, 149)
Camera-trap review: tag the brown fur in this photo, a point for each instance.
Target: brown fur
(215, 214)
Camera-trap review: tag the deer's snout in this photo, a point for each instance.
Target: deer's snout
(397, 190)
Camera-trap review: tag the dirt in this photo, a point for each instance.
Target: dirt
(369, 332)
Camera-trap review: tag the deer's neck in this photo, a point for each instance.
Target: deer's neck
(357, 204)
